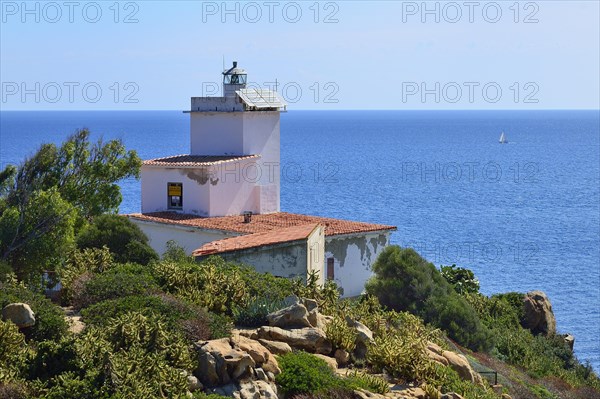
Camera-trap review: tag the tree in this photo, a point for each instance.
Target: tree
(85, 174)
(463, 280)
(404, 281)
(124, 239)
(46, 198)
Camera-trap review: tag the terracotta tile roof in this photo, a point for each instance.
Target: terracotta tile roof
(197, 160)
(261, 223)
(277, 236)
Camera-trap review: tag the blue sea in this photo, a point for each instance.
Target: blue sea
(523, 216)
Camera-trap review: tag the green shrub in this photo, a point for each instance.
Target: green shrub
(404, 281)
(463, 280)
(124, 239)
(50, 323)
(372, 383)
(302, 372)
(53, 358)
(113, 285)
(71, 385)
(340, 335)
(13, 352)
(79, 263)
(210, 284)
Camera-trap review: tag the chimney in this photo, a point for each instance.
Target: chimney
(247, 216)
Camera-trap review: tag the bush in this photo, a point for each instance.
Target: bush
(53, 358)
(463, 280)
(404, 281)
(113, 285)
(80, 263)
(13, 352)
(340, 335)
(124, 239)
(302, 372)
(194, 322)
(254, 314)
(50, 323)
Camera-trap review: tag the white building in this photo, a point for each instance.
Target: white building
(223, 197)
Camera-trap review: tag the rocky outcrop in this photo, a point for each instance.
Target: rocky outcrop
(457, 362)
(570, 341)
(538, 316)
(19, 313)
(331, 362)
(247, 389)
(262, 356)
(275, 347)
(294, 316)
(220, 362)
(309, 339)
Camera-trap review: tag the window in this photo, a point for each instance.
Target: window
(330, 272)
(175, 195)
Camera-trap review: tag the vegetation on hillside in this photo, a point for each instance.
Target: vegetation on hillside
(143, 314)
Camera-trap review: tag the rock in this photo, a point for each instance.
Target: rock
(294, 316)
(219, 362)
(506, 396)
(411, 393)
(244, 332)
(323, 320)
(434, 352)
(260, 374)
(255, 390)
(194, 384)
(538, 317)
(569, 340)
(342, 357)
(363, 394)
(451, 395)
(261, 355)
(276, 348)
(331, 362)
(19, 313)
(460, 364)
(309, 339)
(363, 339)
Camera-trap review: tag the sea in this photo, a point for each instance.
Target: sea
(523, 216)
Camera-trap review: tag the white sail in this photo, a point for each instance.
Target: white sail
(503, 139)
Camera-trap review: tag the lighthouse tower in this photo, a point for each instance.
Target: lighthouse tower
(233, 166)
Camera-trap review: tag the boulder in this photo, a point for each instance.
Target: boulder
(309, 339)
(434, 352)
(256, 389)
(261, 355)
(342, 357)
(538, 317)
(276, 348)
(219, 362)
(364, 394)
(323, 320)
(19, 313)
(294, 316)
(363, 338)
(193, 383)
(451, 395)
(570, 341)
(460, 364)
(331, 362)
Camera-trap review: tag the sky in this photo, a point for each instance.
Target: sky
(155, 55)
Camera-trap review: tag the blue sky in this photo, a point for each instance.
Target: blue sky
(324, 55)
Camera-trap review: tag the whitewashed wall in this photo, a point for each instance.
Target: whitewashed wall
(187, 237)
(353, 256)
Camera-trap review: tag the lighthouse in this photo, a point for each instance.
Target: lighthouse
(222, 198)
(233, 166)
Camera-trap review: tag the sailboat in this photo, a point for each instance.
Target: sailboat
(503, 139)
